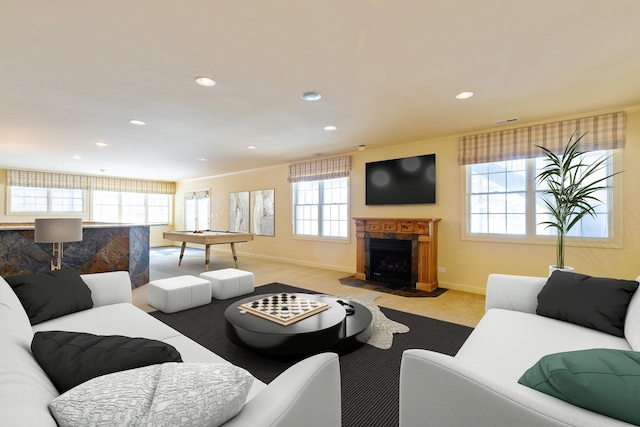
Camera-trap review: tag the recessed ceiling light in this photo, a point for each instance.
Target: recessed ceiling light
(330, 128)
(311, 96)
(202, 159)
(77, 157)
(361, 147)
(205, 81)
(251, 147)
(101, 144)
(137, 122)
(464, 95)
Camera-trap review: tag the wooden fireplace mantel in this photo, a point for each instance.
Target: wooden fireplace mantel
(426, 230)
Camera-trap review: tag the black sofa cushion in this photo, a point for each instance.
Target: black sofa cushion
(51, 294)
(71, 358)
(592, 302)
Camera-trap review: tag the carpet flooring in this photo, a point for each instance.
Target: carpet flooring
(369, 375)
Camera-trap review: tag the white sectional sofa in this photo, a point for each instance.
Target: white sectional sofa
(479, 386)
(307, 394)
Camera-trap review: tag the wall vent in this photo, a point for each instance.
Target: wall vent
(505, 121)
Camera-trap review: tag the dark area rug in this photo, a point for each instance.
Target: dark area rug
(389, 288)
(370, 376)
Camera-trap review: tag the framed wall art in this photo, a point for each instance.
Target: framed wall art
(239, 211)
(262, 204)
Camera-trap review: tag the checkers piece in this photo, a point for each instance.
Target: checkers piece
(284, 309)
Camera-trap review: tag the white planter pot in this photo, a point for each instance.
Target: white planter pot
(566, 269)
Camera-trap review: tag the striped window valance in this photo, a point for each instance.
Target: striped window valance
(604, 132)
(335, 167)
(23, 178)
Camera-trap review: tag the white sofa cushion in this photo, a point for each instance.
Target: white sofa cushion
(10, 300)
(115, 319)
(25, 390)
(110, 287)
(632, 321)
(171, 394)
(507, 343)
(522, 296)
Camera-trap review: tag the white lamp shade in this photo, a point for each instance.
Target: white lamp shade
(55, 230)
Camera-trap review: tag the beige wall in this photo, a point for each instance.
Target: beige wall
(467, 263)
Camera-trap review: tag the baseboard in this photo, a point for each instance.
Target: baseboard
(462, 288)
(275, 259)
(349, 270)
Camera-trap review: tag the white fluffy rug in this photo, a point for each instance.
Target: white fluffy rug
(383, 328)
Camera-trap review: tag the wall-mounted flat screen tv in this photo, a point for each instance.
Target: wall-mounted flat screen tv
(405, 181)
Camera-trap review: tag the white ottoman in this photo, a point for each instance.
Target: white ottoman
(229, 282)
(178, 293)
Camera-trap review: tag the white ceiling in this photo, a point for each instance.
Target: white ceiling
(73, 72)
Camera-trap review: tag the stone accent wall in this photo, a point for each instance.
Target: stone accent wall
(101, 249)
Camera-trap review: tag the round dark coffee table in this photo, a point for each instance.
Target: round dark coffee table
(330, 329)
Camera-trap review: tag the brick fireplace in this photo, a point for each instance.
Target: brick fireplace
(398, 250)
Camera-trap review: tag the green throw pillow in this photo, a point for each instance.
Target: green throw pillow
(602, 380)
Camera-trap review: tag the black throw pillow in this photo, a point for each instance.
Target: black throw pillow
(51, 294)
(592, 302)
(71, 358)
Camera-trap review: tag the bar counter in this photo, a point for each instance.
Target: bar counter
(104, 247)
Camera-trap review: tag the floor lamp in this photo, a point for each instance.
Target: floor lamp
(58, 231)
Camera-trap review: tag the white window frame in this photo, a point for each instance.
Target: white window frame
(122, 216)
(321, 203)
(614, 240)
(201, 210)
(50, 205)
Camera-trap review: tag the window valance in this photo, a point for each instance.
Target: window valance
(23, 178)
(604, 132)
(200, 194)
(335, 167)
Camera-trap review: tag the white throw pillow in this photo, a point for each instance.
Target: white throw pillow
(169, 394)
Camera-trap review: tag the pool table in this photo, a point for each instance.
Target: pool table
(208, 238)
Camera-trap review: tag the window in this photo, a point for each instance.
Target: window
(321, 208)
(497, 194)
(196, 210)
(158, 208)
(588, 226)
(45, 200)
(503, 198)
(138, 208)
(106, 206)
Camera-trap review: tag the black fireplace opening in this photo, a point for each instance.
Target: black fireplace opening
(390, 261)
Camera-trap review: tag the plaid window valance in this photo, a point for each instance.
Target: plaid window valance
(605, 132)
(335, 167)
(200, 194)
(23, 178)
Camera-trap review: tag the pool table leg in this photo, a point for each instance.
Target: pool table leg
(235, 257)
(184, 245)
(206, 258)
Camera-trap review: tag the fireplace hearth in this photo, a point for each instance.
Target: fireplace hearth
(387, 245)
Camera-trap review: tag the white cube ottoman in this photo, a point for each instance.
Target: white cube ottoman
(178, 293)
(229, 282)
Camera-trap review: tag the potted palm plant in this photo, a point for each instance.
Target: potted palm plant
(570, 193)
